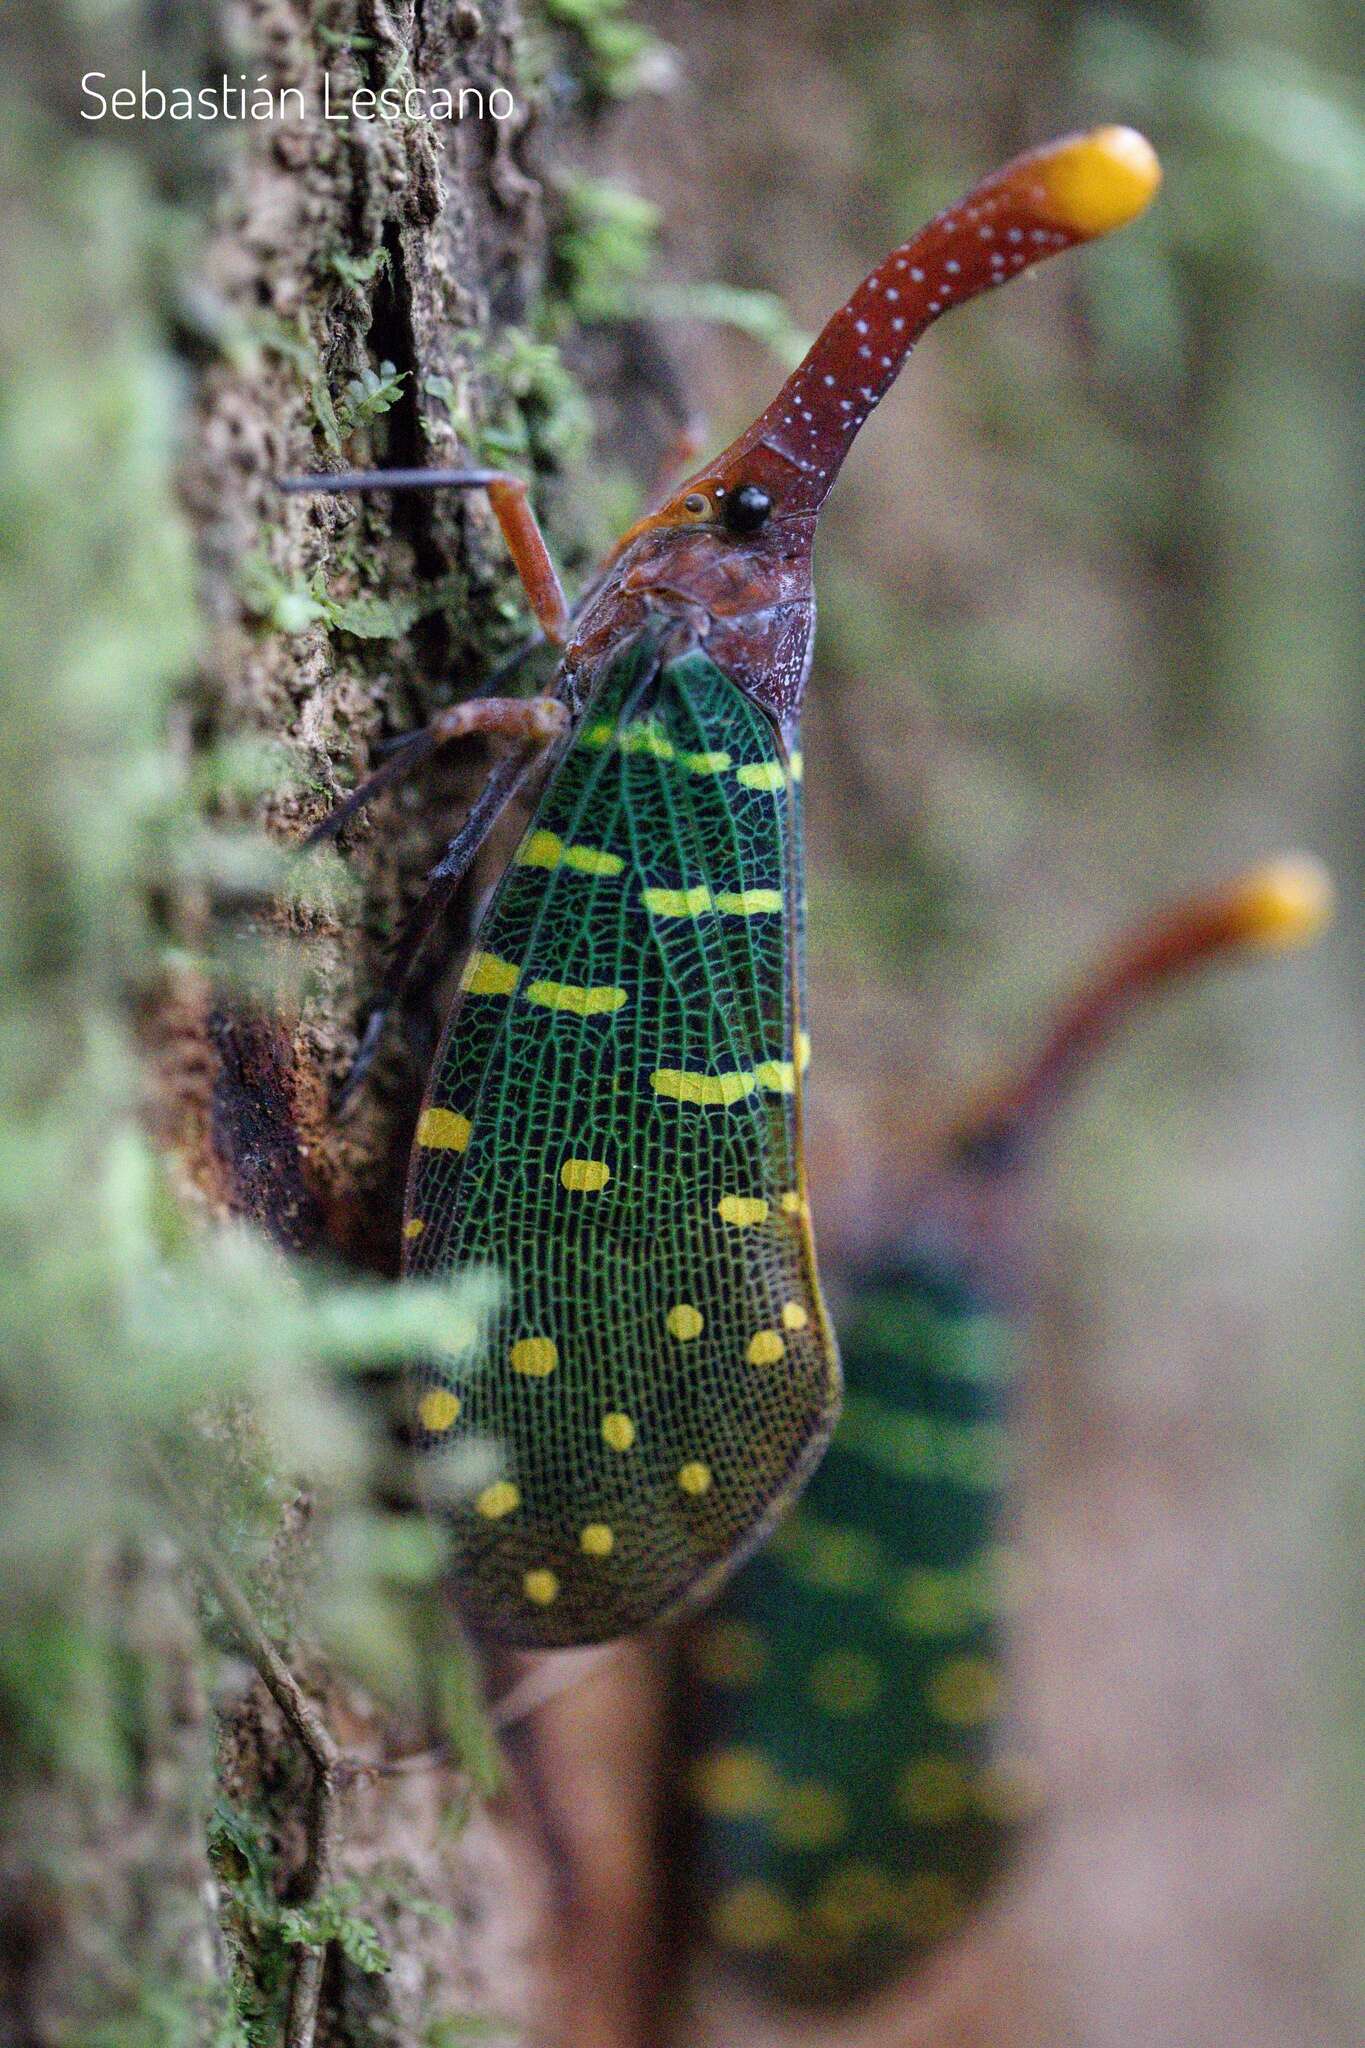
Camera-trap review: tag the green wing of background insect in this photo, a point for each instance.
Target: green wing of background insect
(613, 1123)
(851, 1789)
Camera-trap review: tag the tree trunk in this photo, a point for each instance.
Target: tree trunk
(207, 305)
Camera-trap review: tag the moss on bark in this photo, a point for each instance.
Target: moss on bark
(195, 667)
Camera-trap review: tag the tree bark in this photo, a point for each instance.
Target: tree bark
(308, 290)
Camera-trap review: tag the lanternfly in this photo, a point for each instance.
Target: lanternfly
(613, 1120)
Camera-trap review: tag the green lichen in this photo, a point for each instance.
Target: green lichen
(606, 243)
(366, 396)
(338, 39)
(605, 255)
(358, 270)
(615, 56)
(123, 1327)
(369, 395)
(761, 315)
(293, 608)
(540, 412)
(264, 1934)
(288, 340)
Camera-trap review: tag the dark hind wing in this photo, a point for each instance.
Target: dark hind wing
(852, 1779)
(614, 1124)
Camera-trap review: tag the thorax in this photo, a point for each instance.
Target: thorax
(748, 605)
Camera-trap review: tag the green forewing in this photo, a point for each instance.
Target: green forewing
(612, 1125)
(851, 1776)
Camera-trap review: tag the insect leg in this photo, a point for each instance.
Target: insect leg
(405, 750)
(503, 673)
(531, 722)
(510, 499)
(444, 879)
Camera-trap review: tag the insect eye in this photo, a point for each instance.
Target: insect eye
(696, 504)
(746, 509)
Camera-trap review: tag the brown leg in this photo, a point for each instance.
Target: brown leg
(504, 780)
(513, 511)
(529, 722)
(511, 504)
(502, 785)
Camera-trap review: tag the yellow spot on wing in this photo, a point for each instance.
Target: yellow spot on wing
(702, 1088)
(706, 764)
(694, 1477)
(684, 1322)
(596, 1540)
(929, 1603)
(534, 1356)
(547, 850)
(677, 902)
(642, 736)
(742, 1210)
(541, 1587)
(777, 1075)
(765, 1348)
(736, 1783)
(600, 734)
(593, 860)
(584, 1176)
(443, 1130)
(794, 1203)
(853, 1897)
(485, 975)
(438, 1409)
(692, 901)
(1008, 1790)
(837, 1560)
(797, 765)
(762, 775)
(963, 1691)
(794, 1316)
(803, 1050)
(580, 1002)
(999, 1579)
(413, 1227)
(749, 902)
(933, 1791)
(751, 1915)
(497, 1500)
(540, 850)
(618, 1432)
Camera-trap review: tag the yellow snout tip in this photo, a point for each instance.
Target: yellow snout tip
(1284, 903)
(1100, 181)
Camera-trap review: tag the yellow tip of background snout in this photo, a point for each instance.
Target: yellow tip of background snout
(1284, 903)
(1099, 181)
